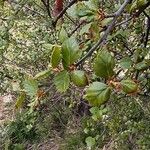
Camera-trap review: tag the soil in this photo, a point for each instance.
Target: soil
(6, 108)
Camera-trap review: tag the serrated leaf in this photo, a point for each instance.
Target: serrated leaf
(104, 65)
(79, 78)
(63, 35)
(62, 80)
(31, 86)
(129, 86)
(42, 75)
(70, 52)
(126, 63)
(97, 93)
(56, 56)
(20, 100)
(90, 141)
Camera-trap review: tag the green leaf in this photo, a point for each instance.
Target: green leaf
(79, 78)
(83, 10)
(142, 65)
(70, 52)
(96, 113)
(90, 141)
(133, 7)
(85, 28)
(141, 3)
(92, 4)
(72, 12)
(31, 86)
(20, 100)
(129, 86)
(48, 46)
(97, 93)
(42, 75)
(62, 80)
(63, 35)
(137, 5)
(104, 65)
(56, 56)
(126, 63)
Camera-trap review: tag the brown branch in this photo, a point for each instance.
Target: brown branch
(108, 30)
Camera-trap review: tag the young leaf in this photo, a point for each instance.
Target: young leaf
(62, 80)
(63, 35)
(56, 56)
(79, 78)
(104, 65)
(31, 86)
(42, 74)
(90, 141)
(97, 93)
(20, 100)
(129, 86)
(70, 52)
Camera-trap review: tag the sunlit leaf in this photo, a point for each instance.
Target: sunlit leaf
(70, 52)
(56, 56)
(20, 100)
(97, 93)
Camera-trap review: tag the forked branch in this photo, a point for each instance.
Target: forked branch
(108, 30)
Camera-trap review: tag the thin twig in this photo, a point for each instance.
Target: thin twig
(104, 37)
(77, 27)
(46, 4)
(123, 22)
(147, 30)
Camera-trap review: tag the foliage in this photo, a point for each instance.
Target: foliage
(95, 52)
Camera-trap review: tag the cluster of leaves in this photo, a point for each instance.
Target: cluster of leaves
(33, 53)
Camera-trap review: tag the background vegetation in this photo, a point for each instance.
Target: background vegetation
(79, 72)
